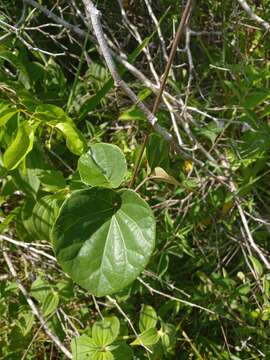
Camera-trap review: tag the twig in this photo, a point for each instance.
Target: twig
(154, 291)
(28, 246)
(180, 30)
(114, 302)
(34, 309)
(160, 35)
(56, 18)
(94, 16)
(253, 16)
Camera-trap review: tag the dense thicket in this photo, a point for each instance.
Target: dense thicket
(203, 181)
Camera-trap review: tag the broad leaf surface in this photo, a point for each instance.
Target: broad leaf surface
(103, 239)
(103, 165)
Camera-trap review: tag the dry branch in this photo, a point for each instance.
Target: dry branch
(253, 16)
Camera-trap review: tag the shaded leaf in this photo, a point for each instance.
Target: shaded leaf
(157, 152)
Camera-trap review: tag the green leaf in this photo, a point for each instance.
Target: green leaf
(157, 152)
(40, 289)
(6, 113)
(148, 318)
(74, 140)
(51, 113)
(147, 338)
(210, 131)
(51, 180)
(167, 334)
(103, 355)
(20, 147)
(122, 352)
(43, 216)
(26, 321)
(254, 99)
(103, 239)
(57, 118)
(16, 62)
(132, 114)
(103, 165)
(104, 332)
(50, 303)
(65, 289)
(44, 293)
(257, 265)
(83, 348)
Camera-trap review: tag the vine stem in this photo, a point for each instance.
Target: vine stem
(183, 23)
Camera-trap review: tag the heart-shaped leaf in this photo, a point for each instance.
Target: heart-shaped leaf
(103, 165)
(103, 239)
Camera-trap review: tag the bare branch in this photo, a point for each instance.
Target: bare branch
(94, 16)
(253, 16)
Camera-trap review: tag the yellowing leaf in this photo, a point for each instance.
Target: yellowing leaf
(188, 166)
(161, 175)
(227, 207)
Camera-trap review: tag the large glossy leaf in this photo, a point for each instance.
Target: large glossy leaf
(20, 146)
(103, 239)
(103, 165)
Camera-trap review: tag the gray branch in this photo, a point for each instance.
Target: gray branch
(253, 16)
(94, 16)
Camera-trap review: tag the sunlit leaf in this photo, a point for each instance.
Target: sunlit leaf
(20, 146)
(103, 239)
(105, 331)
(103, 165)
